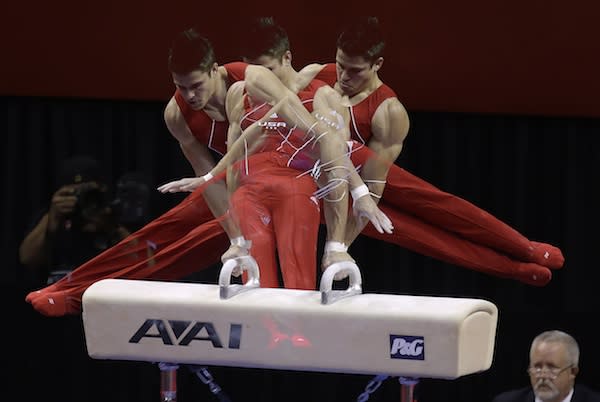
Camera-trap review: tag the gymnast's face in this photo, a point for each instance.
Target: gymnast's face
(355, 74)
(279, 66)
(196, 87)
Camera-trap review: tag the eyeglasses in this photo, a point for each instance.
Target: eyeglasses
(552, 372)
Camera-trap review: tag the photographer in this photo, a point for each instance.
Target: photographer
(84, 218)
(79, 223)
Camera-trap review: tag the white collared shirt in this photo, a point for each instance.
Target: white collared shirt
(567, 398)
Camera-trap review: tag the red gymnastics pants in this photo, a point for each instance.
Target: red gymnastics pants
(446, 227)
(426, 220)
(279, 215)
(164, 249)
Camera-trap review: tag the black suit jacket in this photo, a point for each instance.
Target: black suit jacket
(580, 394)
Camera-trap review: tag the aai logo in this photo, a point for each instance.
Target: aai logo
(182, 333)
(407, 347)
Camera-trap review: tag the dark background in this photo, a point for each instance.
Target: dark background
(504, 106)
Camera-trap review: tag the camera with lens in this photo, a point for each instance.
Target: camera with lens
(132, 200)
(93, 199)
(129, 205)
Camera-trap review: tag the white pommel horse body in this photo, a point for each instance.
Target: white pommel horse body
(343, 331)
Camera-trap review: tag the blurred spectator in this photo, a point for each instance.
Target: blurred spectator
(78, 224)
(553, 367)
(83, 219)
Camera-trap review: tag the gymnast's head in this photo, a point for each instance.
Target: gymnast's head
(359, 54)
(266, 43)
(193, 66)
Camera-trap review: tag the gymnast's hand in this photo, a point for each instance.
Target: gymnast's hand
(238, 249)
(364, 207)
(188, 184)
(231, 254)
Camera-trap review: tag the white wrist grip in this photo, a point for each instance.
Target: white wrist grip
(335, 246)
(359, 191)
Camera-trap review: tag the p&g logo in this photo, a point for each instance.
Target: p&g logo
(407, 347)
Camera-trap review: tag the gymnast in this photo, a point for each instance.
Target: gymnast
(426, 220)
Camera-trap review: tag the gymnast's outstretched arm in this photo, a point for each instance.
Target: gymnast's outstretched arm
(241, 144)
(390, 125)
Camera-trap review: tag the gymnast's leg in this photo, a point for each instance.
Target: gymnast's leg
(139, 255)
(296, 216)
(412, 195)
(249, 201)
(140, 245)
(415, 234)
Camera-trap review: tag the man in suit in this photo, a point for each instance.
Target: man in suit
(553, 366)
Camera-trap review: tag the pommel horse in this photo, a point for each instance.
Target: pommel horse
(244, 325)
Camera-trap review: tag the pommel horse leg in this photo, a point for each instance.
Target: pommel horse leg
(168, 382)
(407, 390)
(407, 385)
